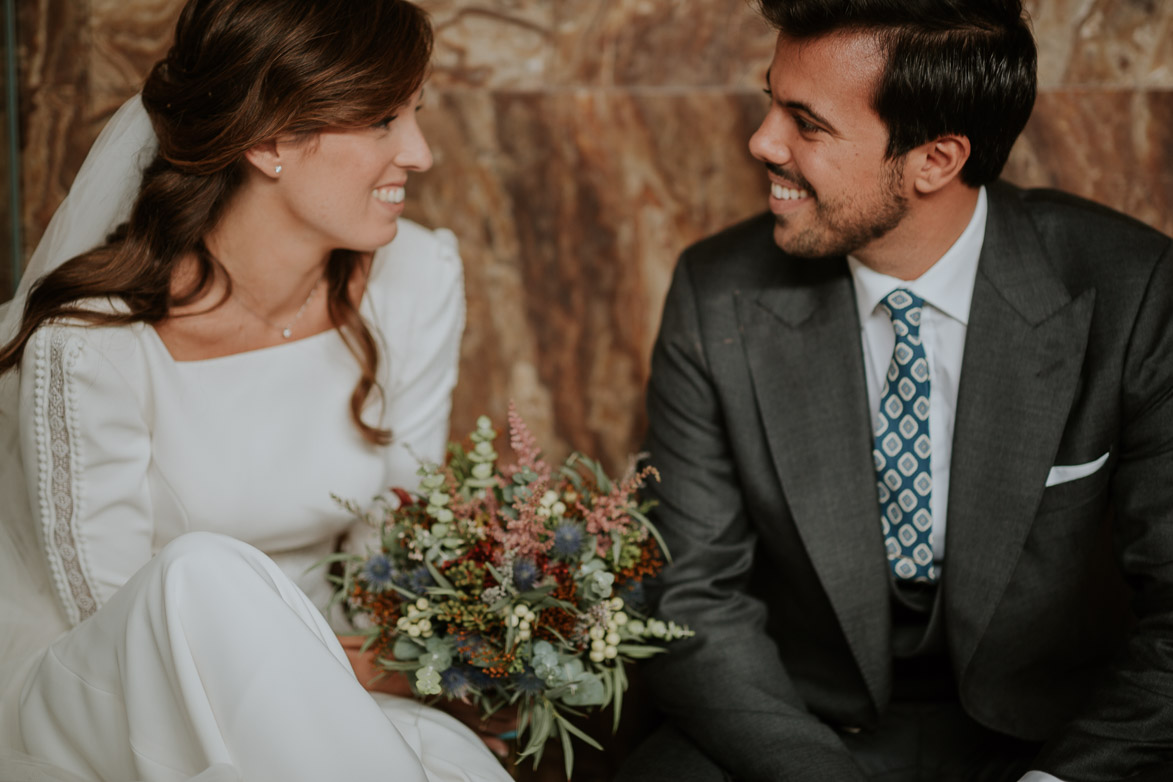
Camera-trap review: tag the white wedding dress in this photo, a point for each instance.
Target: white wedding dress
(149, 637)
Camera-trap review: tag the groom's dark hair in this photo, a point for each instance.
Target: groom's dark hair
(963, 67)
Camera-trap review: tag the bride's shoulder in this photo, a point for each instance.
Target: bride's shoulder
(419, 262)
(69, 342)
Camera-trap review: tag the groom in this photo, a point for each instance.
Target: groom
(915, 428)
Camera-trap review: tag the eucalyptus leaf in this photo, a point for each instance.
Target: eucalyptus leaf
(439, 592)
(620, 684)
(639, 651)
(570, 726)
(573, 476)
(495, 573)
(411, 596)
(539, 731)
(406, 649)
(371, 635)
(567, 749)
(332, 558)
(439, 577)
(534, 595)
(644, 520)
(398, 665)
(586, 690)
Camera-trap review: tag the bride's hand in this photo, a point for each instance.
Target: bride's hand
(503, 722)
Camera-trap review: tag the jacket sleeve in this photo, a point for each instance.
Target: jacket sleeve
(726, 688)
(1127, 723)
(86, 450)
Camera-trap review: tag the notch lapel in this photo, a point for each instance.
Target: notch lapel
(802, 343)
(1023, 354)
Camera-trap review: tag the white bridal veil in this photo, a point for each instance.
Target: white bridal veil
(100, 198)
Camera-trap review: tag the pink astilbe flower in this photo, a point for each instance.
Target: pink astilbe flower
(525, 445)
(527, 534)
(612, 512)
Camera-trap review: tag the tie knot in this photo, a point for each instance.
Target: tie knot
(904, 308)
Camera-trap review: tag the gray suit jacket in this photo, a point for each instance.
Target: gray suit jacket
(1058, 601)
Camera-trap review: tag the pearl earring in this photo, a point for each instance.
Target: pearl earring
(277, 170)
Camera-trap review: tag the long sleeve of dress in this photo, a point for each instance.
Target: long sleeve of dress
(87, 450)
(420, 399)
(429, 304)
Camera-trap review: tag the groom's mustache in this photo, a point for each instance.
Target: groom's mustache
(790, 176)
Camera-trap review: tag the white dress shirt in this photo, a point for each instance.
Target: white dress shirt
(947, 288)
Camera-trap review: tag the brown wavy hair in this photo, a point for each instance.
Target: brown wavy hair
(240, 73)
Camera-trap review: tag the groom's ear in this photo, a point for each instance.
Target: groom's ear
(266, 158)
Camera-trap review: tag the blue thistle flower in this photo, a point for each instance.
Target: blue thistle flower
(482, 681)
(378, 571)
(633, 593)
(525, 574)
(417, 580)
(455, 683)
(568, 540)
(528, 683)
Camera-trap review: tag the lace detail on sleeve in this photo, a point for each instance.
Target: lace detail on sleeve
(58, 480)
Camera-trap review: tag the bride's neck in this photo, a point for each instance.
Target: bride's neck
(272, 264)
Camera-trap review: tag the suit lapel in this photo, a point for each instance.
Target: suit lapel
(1023, 353)
(802, 343)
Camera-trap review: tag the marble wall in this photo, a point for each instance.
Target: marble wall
(580, 144)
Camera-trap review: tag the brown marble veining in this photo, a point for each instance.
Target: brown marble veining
(128, 38)
(492, 43)
(640, 43)
(54, 45)
(580, 144)
(571, 209)
(542, 45)
(1112, 147)
(6, 266)
(1122, 42)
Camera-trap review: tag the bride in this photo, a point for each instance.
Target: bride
(250, 326)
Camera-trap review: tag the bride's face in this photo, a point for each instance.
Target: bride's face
(346, 188)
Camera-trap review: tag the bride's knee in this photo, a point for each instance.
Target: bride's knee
(200, 545)
(208, 556)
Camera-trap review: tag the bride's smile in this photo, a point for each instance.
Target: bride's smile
(342, 188)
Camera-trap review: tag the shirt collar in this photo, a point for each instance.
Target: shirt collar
(948, 283)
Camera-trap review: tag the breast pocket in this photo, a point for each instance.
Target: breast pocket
(1069, 486)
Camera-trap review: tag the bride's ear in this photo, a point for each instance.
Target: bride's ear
(266, 158)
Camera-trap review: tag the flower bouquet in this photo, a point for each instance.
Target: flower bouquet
(512, 585)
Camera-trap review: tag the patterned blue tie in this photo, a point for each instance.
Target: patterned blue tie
(904, 479)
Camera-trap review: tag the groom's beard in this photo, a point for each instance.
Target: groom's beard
(837, 226)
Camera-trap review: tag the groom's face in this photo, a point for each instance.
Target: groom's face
(832, 190)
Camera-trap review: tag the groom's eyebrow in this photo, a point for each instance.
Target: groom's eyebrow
(805, 108)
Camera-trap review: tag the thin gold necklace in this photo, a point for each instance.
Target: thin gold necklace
(286, 330)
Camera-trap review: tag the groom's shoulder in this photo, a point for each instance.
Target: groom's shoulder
(1078, 225)
(735, 256)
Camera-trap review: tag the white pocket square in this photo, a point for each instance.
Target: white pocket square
(1062, 473)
